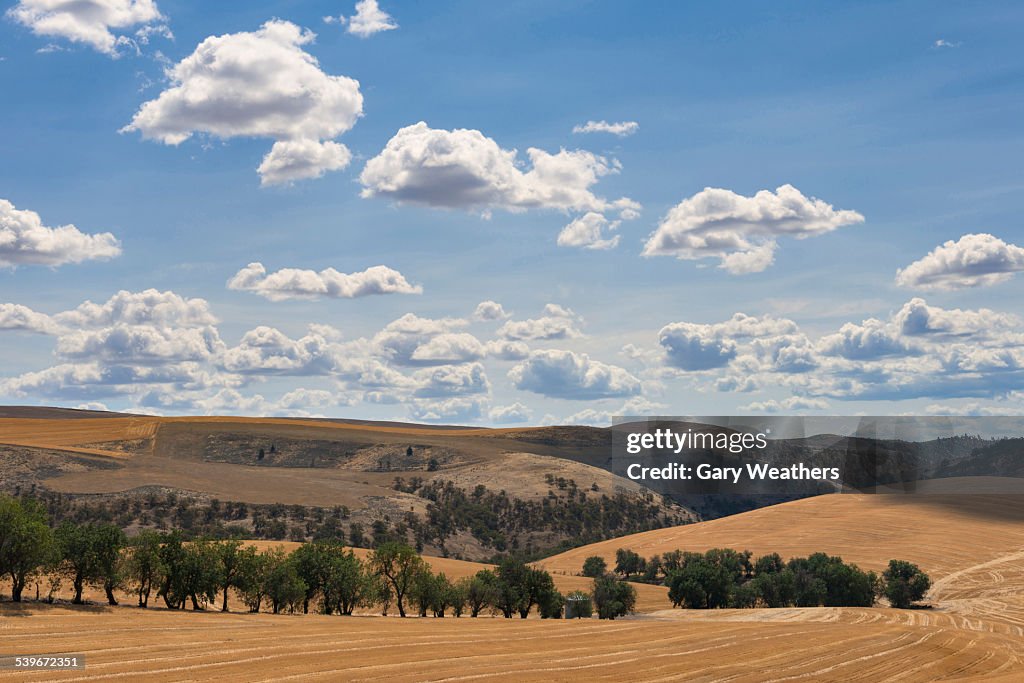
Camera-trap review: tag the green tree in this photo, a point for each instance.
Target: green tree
(252, 580)
(232, 559)
(200, 573)
(26, 542)
(143, 565)
(90, 555)
(481, 591)
(613, 598)
(551, 605)
(346, 583)
(904, 583)
(283, 586)
(628, 563)
(594, 567)
(400, 565)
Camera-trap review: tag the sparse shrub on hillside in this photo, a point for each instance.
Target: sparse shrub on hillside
(904, 583)
(613, 598)
(594, 567)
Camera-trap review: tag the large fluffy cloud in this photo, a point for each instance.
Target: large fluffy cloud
(464, 169)
(90, 22)
(566, 374)
(293, 283)
(742, 231)
(258, 84)
(24, 240)
(972, 261)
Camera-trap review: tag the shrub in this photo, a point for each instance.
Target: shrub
(594, 567)
(904, 583)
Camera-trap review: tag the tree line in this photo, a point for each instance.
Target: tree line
(320, 576)
(722, 577)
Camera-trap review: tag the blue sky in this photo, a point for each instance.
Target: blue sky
(903, 119)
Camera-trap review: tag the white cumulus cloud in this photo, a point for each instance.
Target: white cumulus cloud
(588, 232)
(978, 260)
(566, 374)
(742, 231)
(258, 84)
(24, 240)
(294, 283)
(90, 22)
(464, 169)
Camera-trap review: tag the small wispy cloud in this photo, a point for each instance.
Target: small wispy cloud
(622, 128)
(942, 42)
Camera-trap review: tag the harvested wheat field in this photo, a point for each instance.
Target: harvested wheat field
(156, 645)
(972, 545)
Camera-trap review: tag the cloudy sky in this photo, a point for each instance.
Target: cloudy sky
(509, 213)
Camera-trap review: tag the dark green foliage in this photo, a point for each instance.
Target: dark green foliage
(594, 567)
(726, 578)
(628, 563)
(27, 543)
(90, 554)
(481, 591)
(613, 598)
(578, 605)
(144, 568)
(401, 566)
(904, 583)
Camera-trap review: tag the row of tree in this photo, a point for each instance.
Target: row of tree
(322, 576)
(722, 577)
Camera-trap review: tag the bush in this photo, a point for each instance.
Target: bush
(904, 583)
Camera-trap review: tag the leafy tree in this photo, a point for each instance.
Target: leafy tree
(282, 585)
(904, 583)
(172, 558)
(776, 589)
(252, 580)
(400, 565)
(459, 596)
(613, 598)
(511, 587)
(628, 562)
(346, 583)
(481, 591)
(232, 559)
(703, 581)
(26, 542)
(551, 605)
(200, 578)
(143, 565)
(91, 555)
(594, 567)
